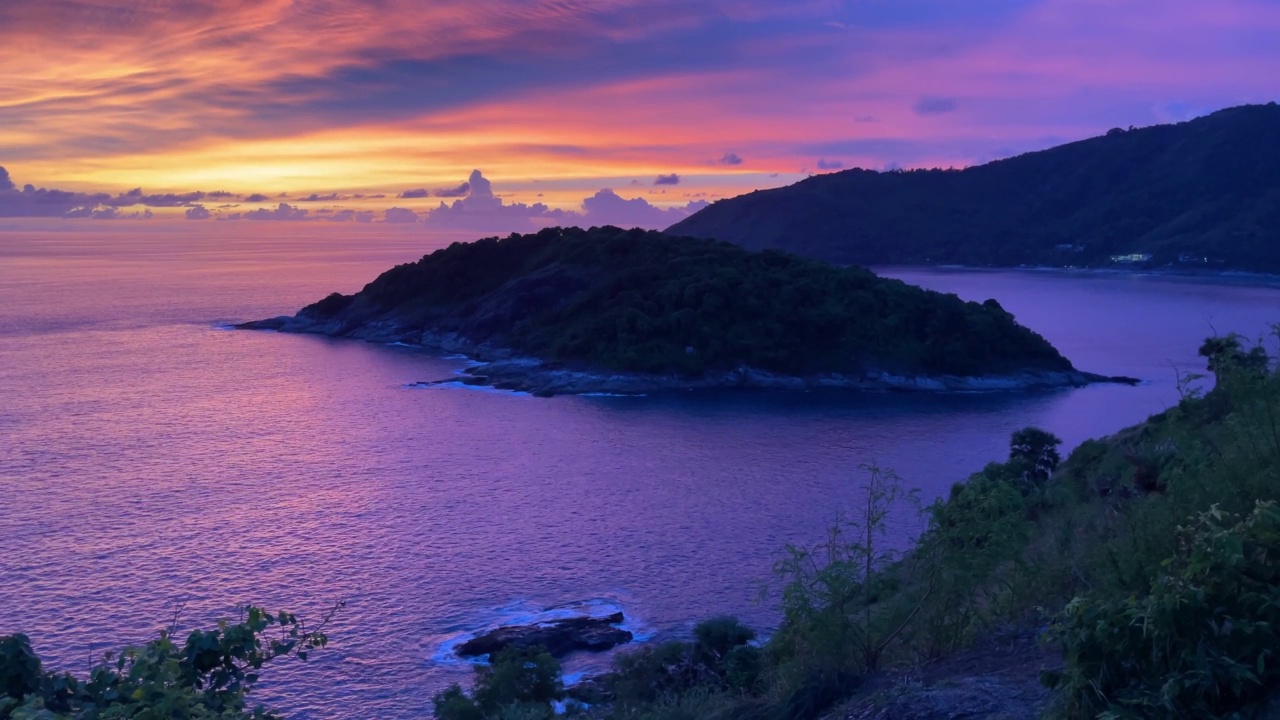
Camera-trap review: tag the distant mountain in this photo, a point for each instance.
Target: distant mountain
(1199, 194)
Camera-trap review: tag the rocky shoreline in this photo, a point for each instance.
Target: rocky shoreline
(501, 369)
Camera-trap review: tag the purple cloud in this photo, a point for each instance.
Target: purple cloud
(483, 211)
(283, 211)
(672, 179)
(824, 164)
(460, 190)
(608, 208)
(198, 212)
(137, 197)
(931, 105)
(363, 216)
(730, 159)
(399, 215)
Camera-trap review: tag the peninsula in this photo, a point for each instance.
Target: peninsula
(567, 310)
(1194, 197)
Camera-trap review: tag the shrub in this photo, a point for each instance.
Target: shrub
(1200, 642)
(453, 704)
(742, 668)
(520, 683)
(209, 676)
(716, 637)
(695, 704)
(967, 561)
(834, 614)
(650, 673)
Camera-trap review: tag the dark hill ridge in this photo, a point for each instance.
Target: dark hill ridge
(1203, 194)
(610, 310)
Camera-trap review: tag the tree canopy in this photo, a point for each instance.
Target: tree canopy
(643, 301)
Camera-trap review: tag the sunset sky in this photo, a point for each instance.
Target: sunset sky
(341, 107)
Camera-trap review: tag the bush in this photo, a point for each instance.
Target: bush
(716, 637)
(651, 673)
(968, 561)
(831, 590)
(742, 668)
(695, 704)
(453, 704)
(208, 677)
(1201, 642)
(520, 683)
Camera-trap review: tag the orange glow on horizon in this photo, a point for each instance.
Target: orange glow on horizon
(556, 100)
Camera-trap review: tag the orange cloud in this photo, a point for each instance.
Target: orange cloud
(558, 98)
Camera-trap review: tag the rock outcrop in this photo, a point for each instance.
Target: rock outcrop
(559, 637)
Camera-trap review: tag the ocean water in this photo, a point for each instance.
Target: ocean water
(153, 462)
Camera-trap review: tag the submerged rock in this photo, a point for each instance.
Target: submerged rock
(559, 637)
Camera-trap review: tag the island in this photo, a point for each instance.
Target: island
(1198, 197)
(607, 310)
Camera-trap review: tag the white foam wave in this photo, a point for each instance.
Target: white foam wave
(460, 356)
(458, 384)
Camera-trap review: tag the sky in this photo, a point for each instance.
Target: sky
(506, 114)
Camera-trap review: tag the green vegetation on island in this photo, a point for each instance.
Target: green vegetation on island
(1198, 195)
(643, 302)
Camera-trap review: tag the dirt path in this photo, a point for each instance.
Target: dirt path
(998, 680)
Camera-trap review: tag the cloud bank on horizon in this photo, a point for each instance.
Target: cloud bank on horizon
(334, 101)
(477, 209)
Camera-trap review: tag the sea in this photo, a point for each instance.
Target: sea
(159, 467)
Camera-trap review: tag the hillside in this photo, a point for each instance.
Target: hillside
(679, 312)
(1203, 194)
(1136, 578)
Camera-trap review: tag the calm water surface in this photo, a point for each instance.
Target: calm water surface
(151, 460)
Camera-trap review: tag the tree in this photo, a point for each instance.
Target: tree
(1037, 451)
(1227, 352)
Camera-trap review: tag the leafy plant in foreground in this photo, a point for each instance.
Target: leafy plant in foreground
(208, 676)
(830, 599)
(520, 684)
(1202, 642)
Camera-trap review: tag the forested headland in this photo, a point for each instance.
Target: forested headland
(1197, 196)
(680, 310)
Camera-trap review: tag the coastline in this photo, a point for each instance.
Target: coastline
(502, 369)
(1232, 277)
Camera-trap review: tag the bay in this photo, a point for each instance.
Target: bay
(153, 461)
